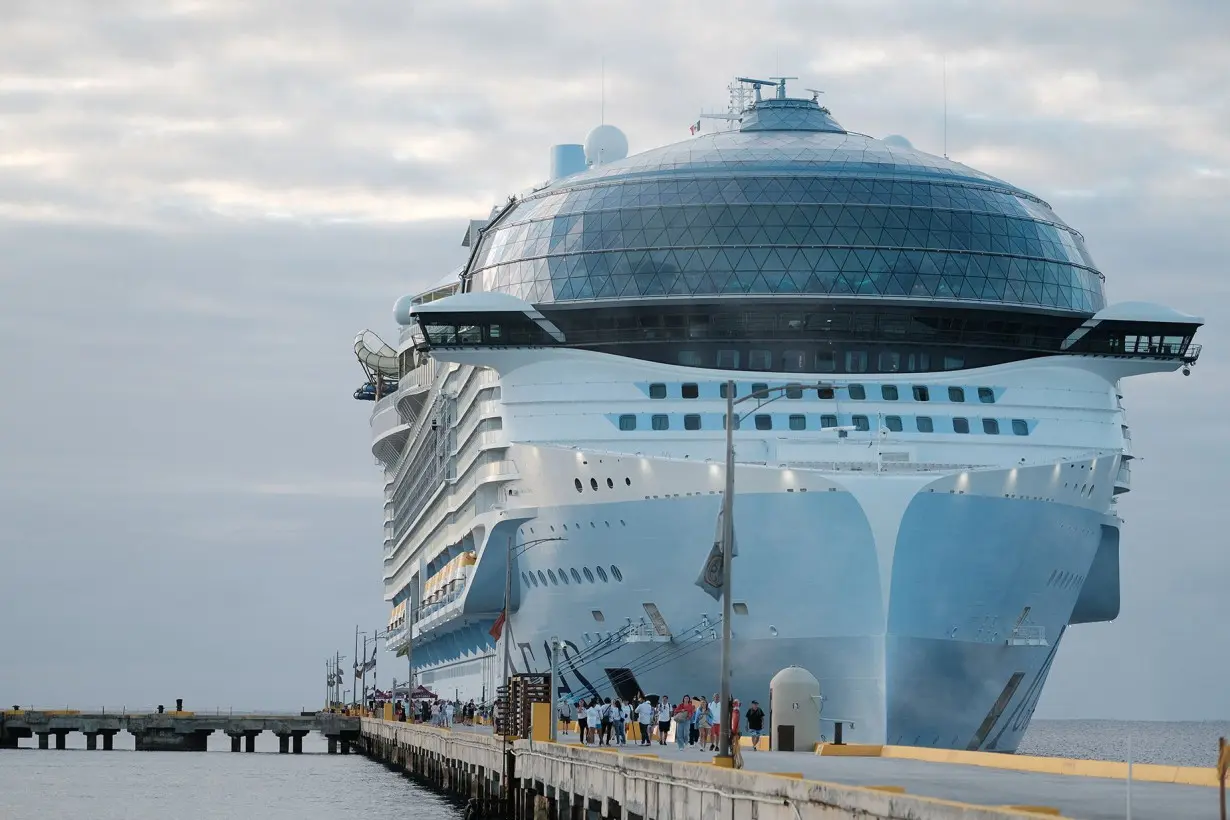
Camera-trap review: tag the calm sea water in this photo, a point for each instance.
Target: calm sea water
(125, 785)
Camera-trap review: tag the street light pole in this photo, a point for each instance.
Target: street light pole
(554, 687)
(728, 529)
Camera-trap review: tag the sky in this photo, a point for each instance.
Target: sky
(202, 201)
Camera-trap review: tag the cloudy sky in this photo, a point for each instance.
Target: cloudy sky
(201, 202)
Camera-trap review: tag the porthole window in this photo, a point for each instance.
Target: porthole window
(593, 483)
(691, 422)
(542, 576)
(857, 392)
(924, 424)
(1020, 427)
(627, 422)
(828, 421)
(893, 423)
(722, 390)
(960, 425)
(619, 576)
(798, 422)
(764, 422)
(602, 575)
(661, 421)
(825, 393)
(563, 576)
(577, 483)
(657, 391)
(589, 576)
(760, 390)
(628, 482)
(794, 391)
(689, 391)
(551, 575)
(990, 427)
(956, 394)
(888, 392)
(861, 423)
(610, 485)
(576, 576)
(921, 393)
(986, 395)
(533, 580)
(525, 580)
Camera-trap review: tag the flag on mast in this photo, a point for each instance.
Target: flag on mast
(497, 628)
(711, 575)
(694, 129)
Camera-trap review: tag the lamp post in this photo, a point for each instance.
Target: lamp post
(728, 539)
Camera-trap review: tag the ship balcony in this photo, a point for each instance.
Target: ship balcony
(1027, 635)
(1123, 479)
(441, 618)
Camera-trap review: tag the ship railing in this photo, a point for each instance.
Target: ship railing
(1027, 635)
(886, 466)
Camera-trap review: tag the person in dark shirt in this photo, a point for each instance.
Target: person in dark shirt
(755, 724)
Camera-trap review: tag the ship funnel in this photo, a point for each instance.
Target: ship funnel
(567, 160)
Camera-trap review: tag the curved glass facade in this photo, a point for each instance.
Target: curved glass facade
(793, 212)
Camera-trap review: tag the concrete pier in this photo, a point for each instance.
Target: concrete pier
(173, 731)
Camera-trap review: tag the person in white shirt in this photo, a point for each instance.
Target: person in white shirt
(625, 719)
(644, 716)
(715, 718)
(594, 716)
(664, 719)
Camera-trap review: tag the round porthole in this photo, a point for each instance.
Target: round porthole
(628, 481)
(576, 576)
(589, 576)
(619, 576)
(533, 580)
(602, 574)
(551, 575)
(525, 579)
(593, 483)
(610, 484)
(773, 631)
(563, 575)
(577, 483)
(542, 576)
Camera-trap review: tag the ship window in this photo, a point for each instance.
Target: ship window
(525, 580)
(893, 423)
(888, 392)
(986, 395)
(660, 421)
(533, 579)
(577, 482)
(691, 422)
(826, 361)
(551, 575)
(760, 390)
(628, 482)
(1020, 427)
(856, 361)
(794, 391)
(657, 391)
(589, 576)
(794, 361)
(760, 360)
(610, 485)
(736, 423)
(860, 423)
(722, 389)
(960, 425)
(953, 361)
(598, 616)
(798, 422)
(563, 576)
(593, 483)
(627, 422)
(828, 421)
(825, 393)
(602, 575)
(728, 359)
(889, 361)
(764, 422)
(857, 392)
(691, 358)
(990, 427)
(689, 391)
(956, 394)
(619, 576)
(918, 362)
(921, 393)
(924, 424)
(576, 576)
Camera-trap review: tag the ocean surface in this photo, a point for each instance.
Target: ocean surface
(74, 783)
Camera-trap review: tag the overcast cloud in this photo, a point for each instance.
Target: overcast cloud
(202, 201)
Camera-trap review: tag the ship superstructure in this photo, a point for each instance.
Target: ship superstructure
(922, 511)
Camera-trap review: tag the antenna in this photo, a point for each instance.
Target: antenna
(781, 86)
(945, 106)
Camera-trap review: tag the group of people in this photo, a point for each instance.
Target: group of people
(441, 712)
(696, 722)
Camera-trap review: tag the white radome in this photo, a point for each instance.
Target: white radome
(604, 144)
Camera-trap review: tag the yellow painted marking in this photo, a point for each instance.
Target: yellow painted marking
(792, 775)
(849, 750)
(1047, 810)
(724, 762)
(889, 789)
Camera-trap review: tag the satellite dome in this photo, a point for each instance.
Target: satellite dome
(897, 141)
(605, 144)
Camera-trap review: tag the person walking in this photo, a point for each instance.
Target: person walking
(593, 719)
(715, 722)
(625, 713)
(755, 724)
(565, 716)
(644, 717)
(608, 720)
(618, 721)
(582, 720)
(682, 720)
(664, 719)
(704, 725)
(736, 748)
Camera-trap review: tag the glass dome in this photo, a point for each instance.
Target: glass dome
(789, 204)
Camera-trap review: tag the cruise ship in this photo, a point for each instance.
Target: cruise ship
(928, 452)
